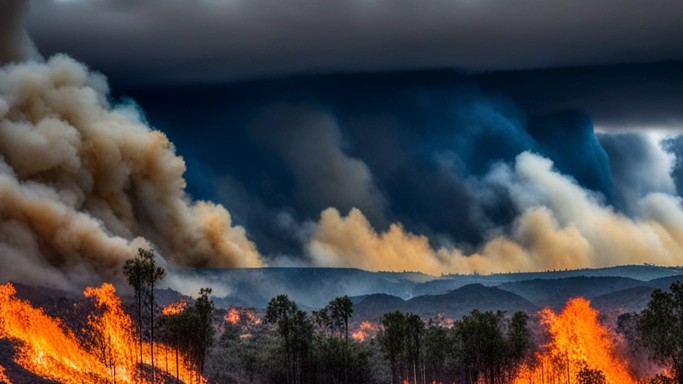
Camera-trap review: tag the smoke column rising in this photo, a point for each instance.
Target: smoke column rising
(83, 184)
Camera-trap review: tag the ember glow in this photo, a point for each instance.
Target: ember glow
(3, 377)
(233, 316)
(366, 330)
(47, 349)
(577, 340)
(244, 315)
(175, 308)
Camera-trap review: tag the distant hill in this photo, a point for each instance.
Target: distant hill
(453, 304)
(312, 288)
(309, 287)
(634, 299)
(315, 287)
(554, 293)
(637, 272)
(664, 282)
(629, 300)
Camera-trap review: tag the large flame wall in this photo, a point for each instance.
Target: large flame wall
(47, 349)
(577, 341)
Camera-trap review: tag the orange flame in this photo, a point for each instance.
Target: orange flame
(247, 316)
(233, 316)
(3, 377)
(48, 350)
(366, 330)
(577, 340)
(175, 308)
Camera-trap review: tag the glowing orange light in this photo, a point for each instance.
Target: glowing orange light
(577, 341)
(365, 330)
(233, 316)
(3, 377)
(175, 308)
(48, 350)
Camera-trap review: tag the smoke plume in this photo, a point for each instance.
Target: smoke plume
(84, 183)
(562, 226)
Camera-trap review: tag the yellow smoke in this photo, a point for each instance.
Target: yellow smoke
(82, 184)
(566, 228)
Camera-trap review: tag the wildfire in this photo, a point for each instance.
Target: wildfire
(175, 308)
(578, 341)
(3, 377)
(49, 350)
(247, 315)
(233, 316)
(366, 330)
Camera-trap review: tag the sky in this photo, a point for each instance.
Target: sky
(442, 137)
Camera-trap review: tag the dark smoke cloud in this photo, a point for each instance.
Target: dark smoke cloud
(15, 45)
(189, 41)
(639, 166)
(432, 171)
(463, 178)
(621, 98)
(674, 146)
(413, 149)
(309, 142)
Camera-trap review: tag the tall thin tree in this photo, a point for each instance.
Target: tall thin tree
(143, 275)
(134, 271)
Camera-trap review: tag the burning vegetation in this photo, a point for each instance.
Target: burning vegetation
(579, 347)
(366, 330)
(196, 344)
(242, 316)
(3, 377)
(48, 349)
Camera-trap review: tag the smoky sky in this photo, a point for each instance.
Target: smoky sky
(416, 148)
(305, 119)
(158, 41)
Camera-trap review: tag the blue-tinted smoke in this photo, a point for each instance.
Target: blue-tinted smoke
(427, 139)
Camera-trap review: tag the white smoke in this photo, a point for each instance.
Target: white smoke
(562, 226)
(83, 184)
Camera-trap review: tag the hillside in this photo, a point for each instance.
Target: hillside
(453, 304)
(555, 292)
(314, 287)
(628, 300)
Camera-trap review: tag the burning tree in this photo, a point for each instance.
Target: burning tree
(49, 349)
(590, 376)
(143, 275)
(580, 348)
(188, 330)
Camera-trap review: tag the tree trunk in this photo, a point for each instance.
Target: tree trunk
(140, 323)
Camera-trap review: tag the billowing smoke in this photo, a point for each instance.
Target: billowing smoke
(562, 226)
(472, 180)
(84, 183)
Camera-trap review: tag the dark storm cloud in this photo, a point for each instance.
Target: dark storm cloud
(15, 45)
(309, 142)
(674, 146)
(639, 166)
(410, 148)
(617, 98)
(189, 41)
